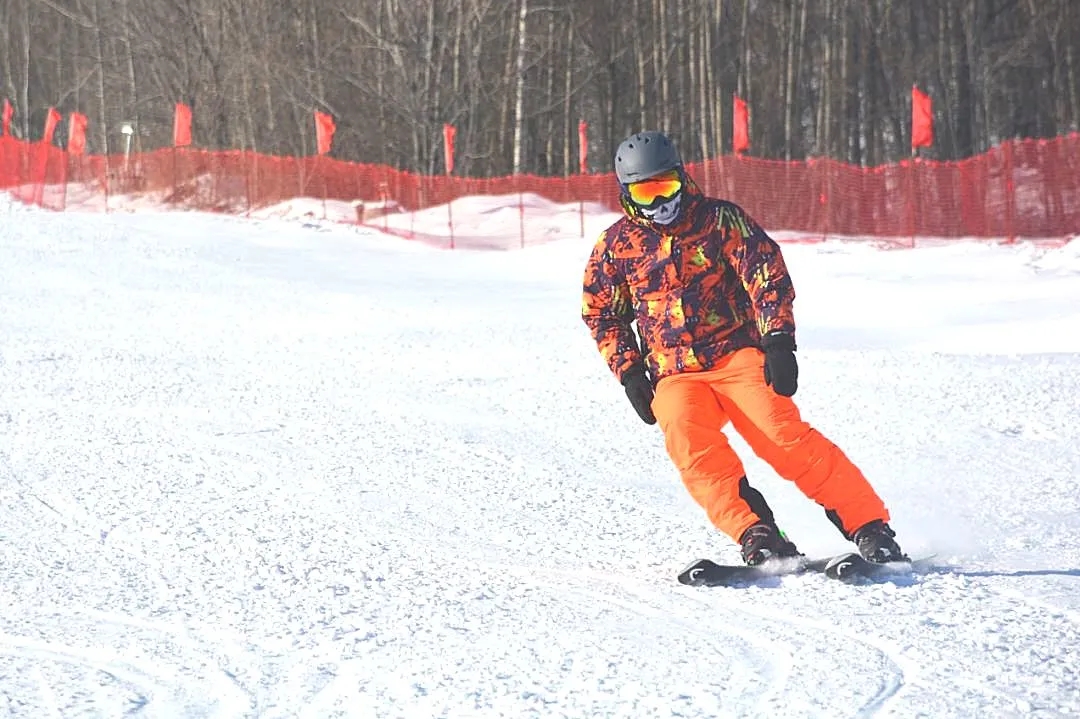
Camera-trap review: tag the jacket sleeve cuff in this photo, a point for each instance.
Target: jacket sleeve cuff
(778, 340)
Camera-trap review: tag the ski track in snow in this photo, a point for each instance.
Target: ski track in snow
(249, 469)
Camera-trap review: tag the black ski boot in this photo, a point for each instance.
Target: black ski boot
(764, 542)
(876, 544)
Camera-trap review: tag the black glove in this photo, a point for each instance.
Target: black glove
(640, 391)
(781, 369)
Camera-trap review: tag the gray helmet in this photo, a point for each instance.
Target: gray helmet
(644, 155)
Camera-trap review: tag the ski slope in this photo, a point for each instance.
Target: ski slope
(271, 468)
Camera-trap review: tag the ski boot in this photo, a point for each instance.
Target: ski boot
(765, 542)
(876, 544)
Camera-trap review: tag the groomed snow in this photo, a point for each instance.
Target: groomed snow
(270, 468)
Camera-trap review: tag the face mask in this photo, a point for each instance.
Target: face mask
(666, 213)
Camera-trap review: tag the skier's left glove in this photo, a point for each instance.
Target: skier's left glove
(639, 391)
(781, 369)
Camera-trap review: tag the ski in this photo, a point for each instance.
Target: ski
(707, 573)
(849, 566)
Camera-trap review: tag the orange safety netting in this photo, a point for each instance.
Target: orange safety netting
(1028, 189)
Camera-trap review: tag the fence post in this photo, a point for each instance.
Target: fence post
(250, 178)
(521, 217)
(1010, 194)
(105, 180)
(450, 220)
(580, 185)
(41, 171)
(581, 214)
(818, 178)
(384, 197)
(67, 178)
(175, 196)
(215, 172)
(320, 167)
(911, 196)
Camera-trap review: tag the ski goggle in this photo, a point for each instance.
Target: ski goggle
(655, 190)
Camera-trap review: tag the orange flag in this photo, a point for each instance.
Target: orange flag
(77, 133)
(922, 119)
(583, 147)
(448, 133)
(182, 125)
(51, 121)
(324, 132)
(8, 112)
(740, 133)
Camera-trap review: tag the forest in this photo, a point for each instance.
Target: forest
(821, 78)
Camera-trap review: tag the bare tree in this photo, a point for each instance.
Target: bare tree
(824, 77)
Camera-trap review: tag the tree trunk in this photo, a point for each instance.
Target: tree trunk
(99, 47)
(26, 70)
(568, 88)
(664, 120)
(796, 35)
(519, 89)
(640, 65)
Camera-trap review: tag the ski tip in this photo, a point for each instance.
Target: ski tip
(845, 566)
(694, 573)
(852, 566)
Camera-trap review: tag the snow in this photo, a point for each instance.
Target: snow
(278, 467)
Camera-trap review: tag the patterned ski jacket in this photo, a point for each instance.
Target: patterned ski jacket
(710, 283)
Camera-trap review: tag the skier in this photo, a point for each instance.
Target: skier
(712, 300)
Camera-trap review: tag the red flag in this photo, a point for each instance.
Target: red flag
(8, 112)
(740, 133)
(448, 133)
(51, 121)
(182, 126)
(77, 133)
(324, 132)
(922, 119)
(583, 147)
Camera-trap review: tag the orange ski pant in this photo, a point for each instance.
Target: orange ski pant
(693, 407)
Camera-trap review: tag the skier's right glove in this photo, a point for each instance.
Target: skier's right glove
(781, 369)
(640, 392)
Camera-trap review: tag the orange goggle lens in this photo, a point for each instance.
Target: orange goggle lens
(649, 192)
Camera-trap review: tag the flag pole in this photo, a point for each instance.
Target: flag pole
(911, 193)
